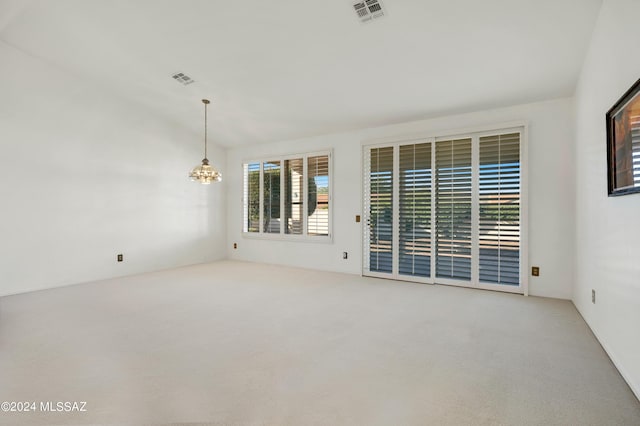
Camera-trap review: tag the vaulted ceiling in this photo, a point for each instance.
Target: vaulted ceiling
(285, 69)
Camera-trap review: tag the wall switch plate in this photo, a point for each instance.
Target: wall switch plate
(120, 258)
(593, 296)
(358, 218)
(345, 255)
(535, 271)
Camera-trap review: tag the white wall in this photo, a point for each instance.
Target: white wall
(607, 229)
(551, 150)
(84, 176)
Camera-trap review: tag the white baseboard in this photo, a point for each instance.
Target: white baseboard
(633, 386)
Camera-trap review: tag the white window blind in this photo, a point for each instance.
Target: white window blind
(635, 148)
(271, 197)
(453, 209)
(318, 195)
(251, 197)
(415, 210)
(499, 213)
(380, 202)
(294, 194)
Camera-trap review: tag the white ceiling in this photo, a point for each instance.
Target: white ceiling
(285, 69)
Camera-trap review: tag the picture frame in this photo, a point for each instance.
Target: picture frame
(623, 143)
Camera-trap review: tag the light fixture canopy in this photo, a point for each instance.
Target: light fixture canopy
(204, 173)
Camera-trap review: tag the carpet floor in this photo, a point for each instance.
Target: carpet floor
(235, 343)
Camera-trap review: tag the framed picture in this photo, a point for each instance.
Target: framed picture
(623, 143)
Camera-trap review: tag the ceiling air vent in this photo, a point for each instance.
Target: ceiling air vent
(183, 79)
(368, 10)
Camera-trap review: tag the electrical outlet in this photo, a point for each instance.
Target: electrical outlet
(358, 218)
(120, 258)
(593, 296)
(235, 245)
(535, 271)
(345, 255)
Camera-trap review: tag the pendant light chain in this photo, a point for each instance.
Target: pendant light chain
(205, 128)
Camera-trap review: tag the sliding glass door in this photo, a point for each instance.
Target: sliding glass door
(453, 209)
(380, 213)
(414, 210)
(446, 210)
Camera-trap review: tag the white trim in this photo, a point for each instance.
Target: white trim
(635, 387)
(453, 281)
(395, 213)
(305, 191)
(244, 202)
(446, 133)
(433, 210)
(288, 237)
(524, 209)
(500, 287)
(475, 210)
(261, 195)
(282, 199)
(288, 156)
(330, 195)
(365, 167)
(414, 279)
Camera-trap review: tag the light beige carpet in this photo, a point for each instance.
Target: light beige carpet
(245, 344)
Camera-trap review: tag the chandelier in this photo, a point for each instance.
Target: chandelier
(204, 173)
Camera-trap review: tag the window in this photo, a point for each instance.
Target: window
(294, 195)
(446, 210)
(271, 196)
(318, 195)
(289, 197)
(252, 197)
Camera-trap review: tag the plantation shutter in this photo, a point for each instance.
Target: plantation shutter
(635, 148)
(415, 210)
(453, 209)
(294, 196)
(271, 201)
(499, 217)
(318, 195)
(380, 200)
(251, 197)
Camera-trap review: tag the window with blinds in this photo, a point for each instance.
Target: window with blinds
(415, 210)
(318, 195)
(380, 209)
(288, 196)
(453, 209)
(271, 194)
(499, 216)
(294, 193)
(251, 197)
